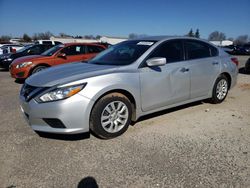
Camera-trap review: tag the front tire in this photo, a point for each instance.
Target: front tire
(220, 89)
(38, 69)
(111, 116)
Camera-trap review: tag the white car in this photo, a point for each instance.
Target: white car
(124, 82)
(8, 48)
(49, 42)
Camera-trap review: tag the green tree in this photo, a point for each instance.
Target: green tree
(5, 38)
(197, 33)
(98, 37)
(26, 38)
(64, 35)
(190, 33)
(132, 36)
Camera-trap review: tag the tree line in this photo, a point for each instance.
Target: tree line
(214, 36)
(45, 36)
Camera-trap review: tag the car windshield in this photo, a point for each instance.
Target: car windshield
(123, 53)
(24, 48)
(53, 50)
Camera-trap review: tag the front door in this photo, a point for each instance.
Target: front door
(167, 84)
(73, 53)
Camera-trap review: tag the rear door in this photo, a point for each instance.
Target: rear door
(168, 84)
(204, 66)
(93, 50)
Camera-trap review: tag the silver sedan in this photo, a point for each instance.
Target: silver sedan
(125, 82)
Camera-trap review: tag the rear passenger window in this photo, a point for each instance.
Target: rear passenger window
(214, 51)
(47, 42)
(196, 50)
(46, 47)
(171, 50)
(74, 50)
(95, 49)
(37, 49)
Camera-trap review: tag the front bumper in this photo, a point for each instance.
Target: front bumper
(20, 73)
(73, 112)
(5, 64)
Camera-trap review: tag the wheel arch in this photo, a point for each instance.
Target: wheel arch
(37, 65)
(124, 92)
(229, 78)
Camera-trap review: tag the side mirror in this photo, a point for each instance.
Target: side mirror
(156, 61)
(62, 55)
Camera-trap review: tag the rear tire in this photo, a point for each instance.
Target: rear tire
(111, 116)
(220, 89)
(38, 69)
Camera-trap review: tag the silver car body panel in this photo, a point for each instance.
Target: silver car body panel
(153, 88)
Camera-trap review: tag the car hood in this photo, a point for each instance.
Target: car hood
(66, 73)
(25, 59)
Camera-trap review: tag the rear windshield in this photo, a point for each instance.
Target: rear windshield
(25, 48)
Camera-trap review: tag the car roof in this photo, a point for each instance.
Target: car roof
(80, 43)
(163, 37)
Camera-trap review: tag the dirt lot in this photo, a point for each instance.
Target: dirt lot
(197, 145)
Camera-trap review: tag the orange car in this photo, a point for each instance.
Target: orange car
(23, 67)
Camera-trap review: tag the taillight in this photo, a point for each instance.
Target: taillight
(235, 61)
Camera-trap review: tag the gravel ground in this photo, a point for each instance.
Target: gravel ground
(196, 145)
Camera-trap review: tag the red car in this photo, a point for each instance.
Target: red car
(23, 67)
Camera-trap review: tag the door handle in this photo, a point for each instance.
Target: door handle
(215, 63)
(184, 69)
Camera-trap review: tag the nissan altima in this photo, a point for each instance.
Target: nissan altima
(125, 82)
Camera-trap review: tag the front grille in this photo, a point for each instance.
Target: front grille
(20, 74)
(29, 92)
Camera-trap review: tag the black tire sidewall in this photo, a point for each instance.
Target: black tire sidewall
(95, 117)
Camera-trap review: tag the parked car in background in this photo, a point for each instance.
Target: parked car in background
(245, 49)
(247, 65)
(232, 49)
(228, 49)
(10, 48)
(36, 49)
(107, 45)
(125, 82)
(21, 68)
(48, 42)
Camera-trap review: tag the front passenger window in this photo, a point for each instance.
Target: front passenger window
(171, 50)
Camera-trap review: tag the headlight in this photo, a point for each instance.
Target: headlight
(25, 64)
(8, 59)
(60, 93)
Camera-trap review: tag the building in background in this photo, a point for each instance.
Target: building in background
(104, 39)
(15, 41)
(71, 39)
(222, 43)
